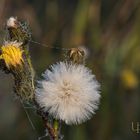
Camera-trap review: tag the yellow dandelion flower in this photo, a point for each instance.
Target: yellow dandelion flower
(11, 53)
(129, 79)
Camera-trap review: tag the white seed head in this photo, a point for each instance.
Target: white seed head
(69, 92)
(11, 22)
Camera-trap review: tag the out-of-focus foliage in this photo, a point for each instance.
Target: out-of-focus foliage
(110, 29)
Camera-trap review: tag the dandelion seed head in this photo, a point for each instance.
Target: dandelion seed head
(69, 92)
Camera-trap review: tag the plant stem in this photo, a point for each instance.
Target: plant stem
(56, 129)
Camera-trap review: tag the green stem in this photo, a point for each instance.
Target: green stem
(56, 129)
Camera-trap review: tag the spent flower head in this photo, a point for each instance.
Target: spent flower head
(69, 92)
(12, 22)
(77, 55)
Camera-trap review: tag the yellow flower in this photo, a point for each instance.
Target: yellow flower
(129, 79)
(11, 53)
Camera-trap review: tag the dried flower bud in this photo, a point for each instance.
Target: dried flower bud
(18, 30)
(77, 55)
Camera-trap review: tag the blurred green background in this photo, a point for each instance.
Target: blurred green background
(110, 29)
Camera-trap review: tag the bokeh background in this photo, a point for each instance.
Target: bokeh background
(110, 29)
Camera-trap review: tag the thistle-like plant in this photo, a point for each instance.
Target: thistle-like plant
(68, 93)
(15, 59)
